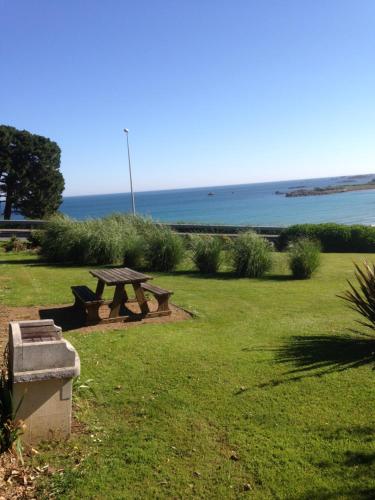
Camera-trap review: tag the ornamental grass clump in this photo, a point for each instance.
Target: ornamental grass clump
(101, 241)
(252, 255)
(134, 249)
(206, 253)
(60, 240)
(90, 242)
(304, 257)
(133, 241)
(142, 225)
(164, 249)
(362, 299)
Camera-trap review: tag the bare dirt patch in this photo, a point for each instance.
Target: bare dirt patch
(69, 318)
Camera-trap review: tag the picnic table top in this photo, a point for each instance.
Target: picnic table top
(119, 276)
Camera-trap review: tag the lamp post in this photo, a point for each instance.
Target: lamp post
(130, 170)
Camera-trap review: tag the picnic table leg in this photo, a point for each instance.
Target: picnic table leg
(142, 301)
(163, 303)
(99, 289)
(93, 317)
(118, 301)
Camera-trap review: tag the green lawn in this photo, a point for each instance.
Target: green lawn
(267, 370)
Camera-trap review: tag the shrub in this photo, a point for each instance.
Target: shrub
(187, 240)
(95, 241)
(206, 253)
(333, 237)
(362, 300)
(252, 255)
(304, 258)
(164, 249)
(142, 225)
(60, 240)
(134, 249)
(35, 238)
(226, 241)
(15, 245)
(100, 242)
(362, 238)
(113, 239)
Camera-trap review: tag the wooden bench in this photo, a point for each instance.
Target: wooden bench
(86, 299)
(162, 296)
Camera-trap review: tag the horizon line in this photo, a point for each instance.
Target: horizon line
(219, 185)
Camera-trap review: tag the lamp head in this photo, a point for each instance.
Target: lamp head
(126, 130)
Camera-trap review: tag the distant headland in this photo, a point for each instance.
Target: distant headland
(318, 191)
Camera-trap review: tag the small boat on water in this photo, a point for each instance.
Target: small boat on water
(210, 194)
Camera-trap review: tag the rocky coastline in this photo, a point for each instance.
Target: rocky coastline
(319, 191)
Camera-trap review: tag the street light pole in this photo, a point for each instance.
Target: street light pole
(130, 170)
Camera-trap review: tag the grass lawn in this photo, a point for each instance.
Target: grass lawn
(265, 387)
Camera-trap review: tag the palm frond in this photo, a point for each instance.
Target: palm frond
(361, 298)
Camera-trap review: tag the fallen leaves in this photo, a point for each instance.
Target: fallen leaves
(18, 481)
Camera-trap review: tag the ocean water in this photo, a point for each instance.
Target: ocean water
(253, 204)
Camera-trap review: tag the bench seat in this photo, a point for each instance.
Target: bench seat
(162, 296)
(86, 299)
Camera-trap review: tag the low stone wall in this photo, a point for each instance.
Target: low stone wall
(223, 229)
(22, 228)
(21, 224)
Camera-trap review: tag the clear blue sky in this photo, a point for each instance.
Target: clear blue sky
(213, 92)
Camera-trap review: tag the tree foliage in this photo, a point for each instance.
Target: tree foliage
(30, 180)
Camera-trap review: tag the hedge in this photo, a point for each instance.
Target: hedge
(333, 237)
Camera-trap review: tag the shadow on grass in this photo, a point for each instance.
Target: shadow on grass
(25, 261)
(221, 275)
(59, 265)
(318, 355)
(227, 275)
(365, 432)
(41, 263)
(191, 273)
(353, 459)
(330, 352)
(68, 317)
(356, 468)
(279, 277)
(357, 493)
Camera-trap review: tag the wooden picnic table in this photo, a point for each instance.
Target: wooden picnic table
(91, 301)
(119, 277)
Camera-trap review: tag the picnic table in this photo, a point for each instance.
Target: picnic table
(119, 278)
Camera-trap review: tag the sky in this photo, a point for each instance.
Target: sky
(213, 92)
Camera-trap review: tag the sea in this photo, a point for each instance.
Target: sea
(250, 204)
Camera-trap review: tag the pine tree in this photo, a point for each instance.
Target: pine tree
(30, 179)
